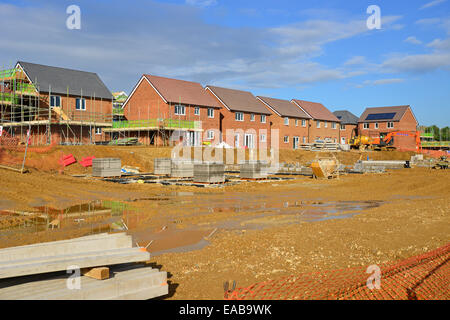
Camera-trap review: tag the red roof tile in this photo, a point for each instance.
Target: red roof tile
(316, 110)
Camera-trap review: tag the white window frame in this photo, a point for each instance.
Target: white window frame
(252, 117)
(325, 124)
(263, 118)
(262, 137)
(366, 125)
(296, 122)
(390, 125)
(54, 96)
(210, 113)
(196, 111)
(286, 121)
(82, 105)
(286, 139)
(317, 124)
(303, 123)
(342, 126)
(333, 125)
(236, 140)
(98, 131)
(305, 139)
(177, 110)
(239, 116)
(376, 125)
(210, 135)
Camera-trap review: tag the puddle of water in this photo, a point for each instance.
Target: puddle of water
(187, 217)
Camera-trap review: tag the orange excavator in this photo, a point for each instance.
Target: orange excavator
(384, 141)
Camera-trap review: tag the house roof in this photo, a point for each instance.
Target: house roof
(284, 108)
(181, 91)
(380, 114)
(346, 117)
(237, 100)
(316, 110)
(62, 81)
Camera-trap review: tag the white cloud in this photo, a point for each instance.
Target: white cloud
(432, 4)
(201, 3)
(439, 44)
(419, 63)
(428, 21)
(379, 82)
(413, 40)
(357, 60)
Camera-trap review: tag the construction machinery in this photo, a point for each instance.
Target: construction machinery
(384, 142)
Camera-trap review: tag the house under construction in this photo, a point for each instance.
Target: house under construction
(55, 105)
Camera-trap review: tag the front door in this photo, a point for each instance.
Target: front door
(295, 143)
(249, 141)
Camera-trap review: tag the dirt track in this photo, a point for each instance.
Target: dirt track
(413, 217)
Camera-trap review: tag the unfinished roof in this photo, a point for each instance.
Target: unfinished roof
(62, 81)
(284, 108)
(316, 110)
(237, 100)
(181, 91)
(381, 114)
(346, 117)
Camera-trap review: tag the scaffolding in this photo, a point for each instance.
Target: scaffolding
(23, 107)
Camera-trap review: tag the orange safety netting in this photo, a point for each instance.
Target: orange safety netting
(424, 277)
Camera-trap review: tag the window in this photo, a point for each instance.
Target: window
(325, 124)
(210, 113)
(342, 126)
(55, 101)
(318, 124)
(197, 111)
(286, 121)
(262, 137)
(366, 125)
(376, 125)
(263, 118)
(286, 139)
(80, 104)
(98, 130)
(390, 125)
(303, 123)
(210, 134)
(239, 116)
(333, 125)
(236, 140)
(304, 140)
(252, 117)
(296, 122)
(180, 110)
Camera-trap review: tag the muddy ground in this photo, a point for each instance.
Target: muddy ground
(260, 231)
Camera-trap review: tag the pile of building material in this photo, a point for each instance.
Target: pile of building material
(320, 145)
(344, 147)
(379, 166)
(181, 168)
(253, 169)
(209, 172)
(28, 272)
(106, 167)
(162, 166)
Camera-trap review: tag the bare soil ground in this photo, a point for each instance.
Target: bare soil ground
(413, 217)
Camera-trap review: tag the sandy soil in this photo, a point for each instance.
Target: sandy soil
(413, 217)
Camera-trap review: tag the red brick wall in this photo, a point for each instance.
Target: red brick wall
(406, 123)
(347, 133)
(323, 132)
(146, 103)
(292, 130)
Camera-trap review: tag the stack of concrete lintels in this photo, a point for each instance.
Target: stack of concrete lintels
(253, 169)
(324, 146)
(28, 264)
(162, 166)
(379, 166)
(209, 172)
(344, 147)
(106, 167)
(182, 168)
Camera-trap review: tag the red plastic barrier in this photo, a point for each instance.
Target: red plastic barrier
(67, 160)
(87, 161)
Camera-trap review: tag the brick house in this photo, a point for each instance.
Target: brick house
(323, 124)
(378, 122)
(162, 110)
(244, 119)
(348, 126)
(290, 121)
(59, 105)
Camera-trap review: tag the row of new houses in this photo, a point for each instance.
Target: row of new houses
(158, 107)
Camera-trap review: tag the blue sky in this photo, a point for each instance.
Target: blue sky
(312, 50)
